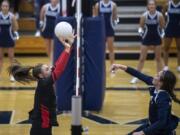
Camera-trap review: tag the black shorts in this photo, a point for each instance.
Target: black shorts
(40, 131)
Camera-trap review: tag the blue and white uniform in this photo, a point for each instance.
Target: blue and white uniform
(161, 120)
(152, 35)
(6, 32)
(173, 20)
(106, 10)
(49, 20)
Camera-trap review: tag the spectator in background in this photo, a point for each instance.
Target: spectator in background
(38, 5)
(151, 30)
(108, 9)
(8, 33)
(48, 16)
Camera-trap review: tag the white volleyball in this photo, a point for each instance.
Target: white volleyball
(63, 30)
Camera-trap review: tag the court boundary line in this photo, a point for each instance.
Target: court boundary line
(130, 88)
(12, 117)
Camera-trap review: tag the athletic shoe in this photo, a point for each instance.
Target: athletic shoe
(37, 34)
(12, 78)
(134, 80)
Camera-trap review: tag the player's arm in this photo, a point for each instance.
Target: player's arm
(61, 63)
(161, 21)
(96, 9)
(145, 78)
(114, 17)
(141, 25)
(165, 8)
(15, 26)
(42, 15)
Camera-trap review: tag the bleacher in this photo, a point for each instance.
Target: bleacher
(28, 44)
(126, 36)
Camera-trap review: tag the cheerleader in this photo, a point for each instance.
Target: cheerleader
(48, 16)
(8, 33)
(152, 31)
(108, 9)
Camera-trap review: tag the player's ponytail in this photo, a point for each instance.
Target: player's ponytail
(24, 74)
(169, 81)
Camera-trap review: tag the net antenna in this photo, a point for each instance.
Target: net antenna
(76, 127)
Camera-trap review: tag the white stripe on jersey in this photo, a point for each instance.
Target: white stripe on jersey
(52, 12)
(104, 7)
(173, 8)
(4, 20)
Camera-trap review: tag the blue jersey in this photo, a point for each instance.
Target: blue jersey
(173, 20)
(6, 33)
(49, 20)
(161, 121)
(106, 10)
(152, 29)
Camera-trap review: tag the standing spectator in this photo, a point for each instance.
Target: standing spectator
(48, 16)
(151, 30)
(108, 9)
(38, 5)
(172, 10)
(8, 32)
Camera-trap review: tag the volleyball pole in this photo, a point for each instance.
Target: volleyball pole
(76, 127)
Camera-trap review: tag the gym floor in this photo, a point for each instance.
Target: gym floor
(125, 106)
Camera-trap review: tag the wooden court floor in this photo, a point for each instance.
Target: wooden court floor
(123, 110)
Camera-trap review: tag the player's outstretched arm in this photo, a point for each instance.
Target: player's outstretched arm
(145, 78)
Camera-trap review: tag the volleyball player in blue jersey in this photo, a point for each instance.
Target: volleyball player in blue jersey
(152, 31)
(161, 89)
(172, 11)
(8, 33)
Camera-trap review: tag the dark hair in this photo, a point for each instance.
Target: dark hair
(169, 80)
(24, 74)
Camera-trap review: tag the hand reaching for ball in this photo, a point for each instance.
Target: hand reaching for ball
(67, 43)
(115, 67)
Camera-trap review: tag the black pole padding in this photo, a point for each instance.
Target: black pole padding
(76, 130)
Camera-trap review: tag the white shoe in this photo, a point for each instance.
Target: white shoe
(37, 34)
(178, 68)
(134, 80)
(12, 78)
(166, 68)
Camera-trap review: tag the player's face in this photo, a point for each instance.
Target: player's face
(46, 71)
(156, 79)
(5, 7)
(54, 2)
(151, 6)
